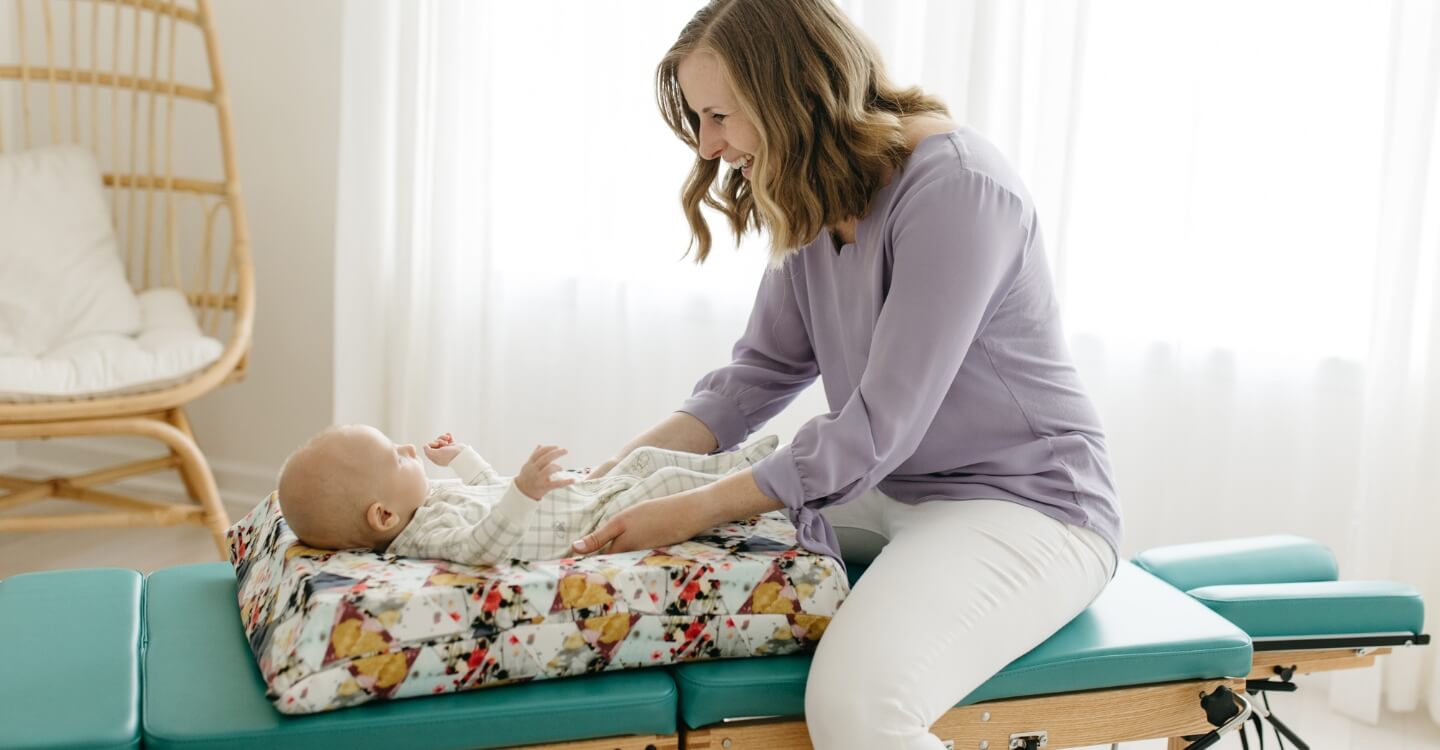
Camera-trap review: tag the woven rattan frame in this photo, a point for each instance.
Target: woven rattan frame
(68, 62)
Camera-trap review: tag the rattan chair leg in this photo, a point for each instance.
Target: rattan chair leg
(192, 466)
(198, 479)
(176, 417)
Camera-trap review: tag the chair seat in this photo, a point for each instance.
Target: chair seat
(70, 646)
(168, 350)
(202, 689)
(1139, 631)
(1328, 608)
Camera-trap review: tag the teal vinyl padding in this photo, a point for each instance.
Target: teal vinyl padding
(204, 690)
(1316, 609)
(1139, 631)
(1262, 559)
(70, 659)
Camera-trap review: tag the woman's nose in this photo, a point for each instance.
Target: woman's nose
(710, 146)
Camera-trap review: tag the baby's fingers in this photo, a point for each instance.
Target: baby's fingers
(548, 455)
(553, 469)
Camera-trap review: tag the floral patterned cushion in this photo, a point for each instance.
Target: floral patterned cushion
(334, 629)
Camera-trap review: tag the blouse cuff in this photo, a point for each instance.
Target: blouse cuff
(721, 415)
(779, 477)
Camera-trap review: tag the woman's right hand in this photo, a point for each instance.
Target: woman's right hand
(602, 469)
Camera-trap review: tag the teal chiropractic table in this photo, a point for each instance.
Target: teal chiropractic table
(1182, 644)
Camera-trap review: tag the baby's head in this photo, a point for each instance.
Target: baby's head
(351, 486)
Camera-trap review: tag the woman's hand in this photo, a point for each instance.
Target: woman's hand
(653, 523)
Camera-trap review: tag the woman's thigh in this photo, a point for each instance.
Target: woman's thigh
(962, 589)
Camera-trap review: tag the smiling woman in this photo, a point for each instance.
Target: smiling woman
(907, 269)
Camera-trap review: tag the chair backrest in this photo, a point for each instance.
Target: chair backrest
(139, 83)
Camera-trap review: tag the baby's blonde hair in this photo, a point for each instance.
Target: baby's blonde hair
(324, 493)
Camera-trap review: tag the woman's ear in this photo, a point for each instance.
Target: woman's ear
(379, 518)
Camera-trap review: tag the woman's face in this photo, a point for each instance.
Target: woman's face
(725, 132)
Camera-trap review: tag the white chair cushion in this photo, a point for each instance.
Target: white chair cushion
(60, 273)
(168, 350)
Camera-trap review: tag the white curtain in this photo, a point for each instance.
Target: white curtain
(1240, 200)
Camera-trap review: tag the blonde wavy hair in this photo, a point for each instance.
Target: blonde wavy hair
(827, 116)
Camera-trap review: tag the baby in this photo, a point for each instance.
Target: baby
(351, 486)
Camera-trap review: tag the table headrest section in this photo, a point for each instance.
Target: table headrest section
(1261, 559)
(1325, 608)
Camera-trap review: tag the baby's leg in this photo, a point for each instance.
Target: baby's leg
(666, 481)
(644, 461)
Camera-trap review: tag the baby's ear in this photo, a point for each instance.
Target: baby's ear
(379, 518)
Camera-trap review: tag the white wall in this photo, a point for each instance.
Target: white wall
(281, 62)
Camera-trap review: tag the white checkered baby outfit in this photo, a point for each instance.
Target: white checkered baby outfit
(486, 519)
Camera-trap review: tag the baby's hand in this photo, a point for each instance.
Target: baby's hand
(535, 479)
(442, 450)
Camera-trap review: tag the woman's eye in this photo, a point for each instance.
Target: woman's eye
(718, 117)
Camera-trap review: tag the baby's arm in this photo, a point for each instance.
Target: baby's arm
(462, 459)
(473, 534)
(486, 535)
(494, 538)
(472, 468)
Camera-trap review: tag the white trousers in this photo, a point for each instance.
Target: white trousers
(955, 591)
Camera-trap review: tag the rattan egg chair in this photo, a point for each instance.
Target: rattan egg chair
(103, 74)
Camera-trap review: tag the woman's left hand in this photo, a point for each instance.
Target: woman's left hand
(653, 523)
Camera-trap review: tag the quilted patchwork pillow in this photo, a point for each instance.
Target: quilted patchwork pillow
(335, 629)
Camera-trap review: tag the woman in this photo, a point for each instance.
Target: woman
(961, 457)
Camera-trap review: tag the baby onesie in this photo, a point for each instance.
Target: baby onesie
(483, 519)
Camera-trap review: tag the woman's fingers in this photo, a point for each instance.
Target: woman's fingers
(598, 538)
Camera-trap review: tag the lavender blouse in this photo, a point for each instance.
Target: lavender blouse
(938, 336)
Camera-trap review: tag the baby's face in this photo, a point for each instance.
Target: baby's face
(395, 471)
(352, 487)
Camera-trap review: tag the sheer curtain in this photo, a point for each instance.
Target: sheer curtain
(1238, 197)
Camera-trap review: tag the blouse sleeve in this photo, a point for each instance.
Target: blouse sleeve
(772, 363)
